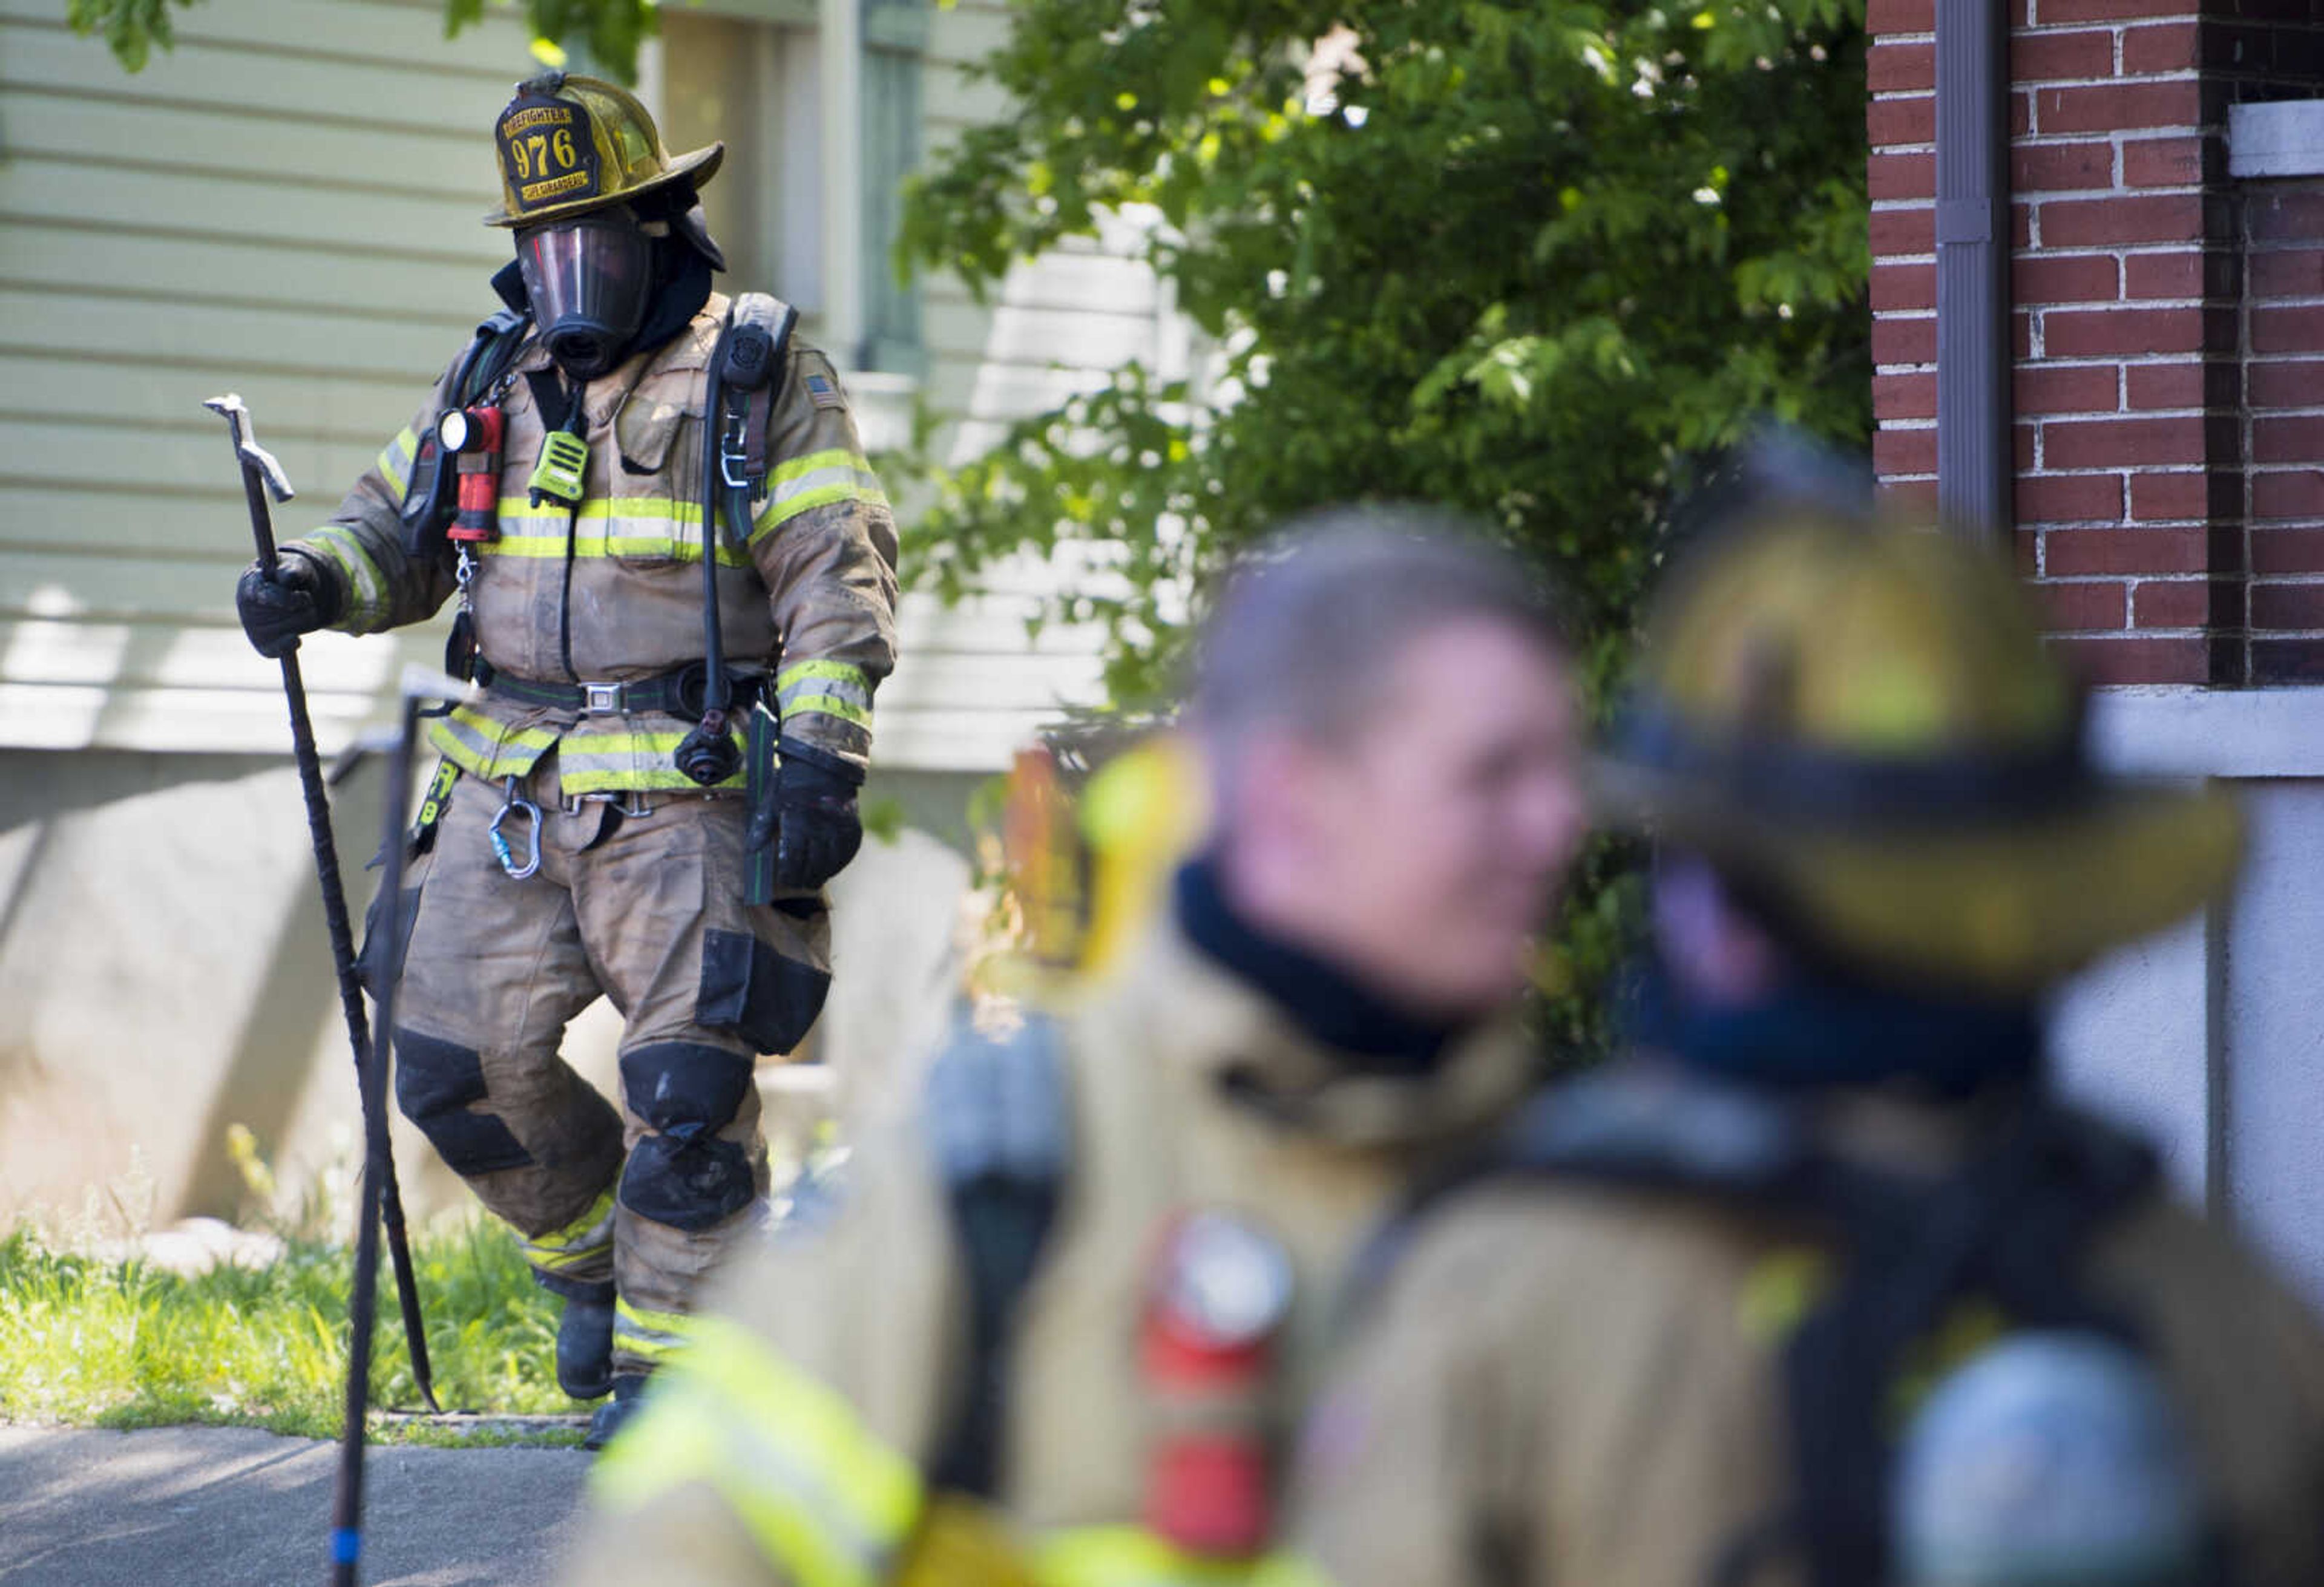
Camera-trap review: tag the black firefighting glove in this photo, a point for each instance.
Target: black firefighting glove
(811, 817)
(297, 597)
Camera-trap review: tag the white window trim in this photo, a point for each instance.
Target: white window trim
(2281, 138)
(2173, 732)
(839, 40)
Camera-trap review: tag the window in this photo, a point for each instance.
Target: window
(800, 214)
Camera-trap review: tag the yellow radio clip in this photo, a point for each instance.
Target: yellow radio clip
(558, 476)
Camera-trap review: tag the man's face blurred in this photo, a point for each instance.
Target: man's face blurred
(1436, 835)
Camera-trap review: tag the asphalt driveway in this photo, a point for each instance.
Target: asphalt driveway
(236, 1507)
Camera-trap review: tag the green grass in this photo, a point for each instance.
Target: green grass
(122, 1345)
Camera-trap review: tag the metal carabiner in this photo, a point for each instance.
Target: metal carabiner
(501, 850)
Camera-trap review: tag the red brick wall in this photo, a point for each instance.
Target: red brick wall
(2130, 281)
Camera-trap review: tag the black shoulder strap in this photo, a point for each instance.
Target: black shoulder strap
(1000, 1127)
(762, 324)
(2013, 1226)
(427, 495)
(489, 355)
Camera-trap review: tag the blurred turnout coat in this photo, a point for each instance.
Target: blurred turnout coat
(1601, 1405)
(791, 1443)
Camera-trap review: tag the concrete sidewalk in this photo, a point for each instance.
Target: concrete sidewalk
(229, 1507)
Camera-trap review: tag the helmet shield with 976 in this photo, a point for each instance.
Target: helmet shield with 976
(568, 145)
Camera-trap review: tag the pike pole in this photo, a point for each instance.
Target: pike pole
(261, 474)
(379, 1168)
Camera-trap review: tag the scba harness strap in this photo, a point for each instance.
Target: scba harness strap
(431, 501)
(748, 369)
(1000, 1130)
(2012, 1225)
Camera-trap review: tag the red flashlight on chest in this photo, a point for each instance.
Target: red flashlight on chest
(1207, 1348)
(472, 437)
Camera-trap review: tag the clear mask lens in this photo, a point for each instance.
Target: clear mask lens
(589, 278)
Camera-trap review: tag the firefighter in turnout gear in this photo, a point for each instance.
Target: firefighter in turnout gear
(1822, 1286)
(1056, 1323)
(674, 572)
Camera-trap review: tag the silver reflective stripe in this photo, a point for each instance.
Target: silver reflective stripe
(487, 748)
(848, 692)
(367, 586)
(395, 460)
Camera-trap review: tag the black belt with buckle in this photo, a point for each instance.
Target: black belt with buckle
(678, 693)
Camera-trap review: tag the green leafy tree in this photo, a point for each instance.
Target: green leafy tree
(1525, 258)
(609, 31)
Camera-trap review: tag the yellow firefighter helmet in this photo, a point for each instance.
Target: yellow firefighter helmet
(568, 145)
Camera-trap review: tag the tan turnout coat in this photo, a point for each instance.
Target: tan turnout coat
(862, 1326)
(1575, 1386)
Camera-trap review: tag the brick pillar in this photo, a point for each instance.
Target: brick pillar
(2130, 323)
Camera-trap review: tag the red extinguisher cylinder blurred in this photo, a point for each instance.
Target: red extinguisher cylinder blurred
(1206, 1353)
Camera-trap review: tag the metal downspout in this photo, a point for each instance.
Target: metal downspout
(1975, 466)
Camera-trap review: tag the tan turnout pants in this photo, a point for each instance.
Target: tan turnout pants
(645, 909)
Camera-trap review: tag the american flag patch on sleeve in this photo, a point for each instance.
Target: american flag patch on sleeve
(824, 392)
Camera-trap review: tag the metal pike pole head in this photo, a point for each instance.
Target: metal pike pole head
(254, 456)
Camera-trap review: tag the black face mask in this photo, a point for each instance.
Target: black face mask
(590, 279)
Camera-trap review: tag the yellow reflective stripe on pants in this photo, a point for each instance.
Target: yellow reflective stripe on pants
(1132, 1556)
(815, 479)
(395, 459)
(654, 1335)
(487, 748)
(829, 1505)
(581, 1242)
(614, 761)
(368, 595)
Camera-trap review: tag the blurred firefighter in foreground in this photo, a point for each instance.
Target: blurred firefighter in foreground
(650, 505)
(1058, 1327)
(1675, 1330)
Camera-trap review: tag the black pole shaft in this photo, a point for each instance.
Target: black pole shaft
(346, 1505)
(343, 945)
(1975, 460)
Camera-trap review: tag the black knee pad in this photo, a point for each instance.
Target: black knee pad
(683, 1175)
(435, 1082)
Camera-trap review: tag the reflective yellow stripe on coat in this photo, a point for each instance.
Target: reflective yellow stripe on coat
(834, 688)
(829, 1505)
(595, 756)
(599, 756)
(368, 593)
(632, 528)
(1131, 1557)
(815, 479)
(483, 748)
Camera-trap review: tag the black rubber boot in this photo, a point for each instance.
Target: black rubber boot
(585, 1346)
(616, 1413)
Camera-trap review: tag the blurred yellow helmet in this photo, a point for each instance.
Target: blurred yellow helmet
(1857, 716)
(568, 145)
(1088, 868)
